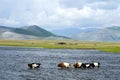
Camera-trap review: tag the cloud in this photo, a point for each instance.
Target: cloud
(95, 3)
(110, 5)
(8, 22)
(58, 14)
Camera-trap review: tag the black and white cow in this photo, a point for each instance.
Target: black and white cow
(95, 64)
(86, 65)
(34, 65)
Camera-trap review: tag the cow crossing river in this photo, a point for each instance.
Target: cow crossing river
(14, 60)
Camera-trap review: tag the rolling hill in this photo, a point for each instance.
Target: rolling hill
(109, 34)
(27, 32)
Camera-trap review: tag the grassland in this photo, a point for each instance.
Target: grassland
(70, 44)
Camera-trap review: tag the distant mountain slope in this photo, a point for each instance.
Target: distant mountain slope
(67, 31)
(15, 36)
(106, 34)
(37, 31)
(4, 28)
(70, 32)
(27, 32)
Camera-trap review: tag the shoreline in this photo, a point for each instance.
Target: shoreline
(55, 44)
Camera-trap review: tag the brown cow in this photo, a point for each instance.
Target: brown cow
(64, 65)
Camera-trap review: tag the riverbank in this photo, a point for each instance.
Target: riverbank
(64, 44)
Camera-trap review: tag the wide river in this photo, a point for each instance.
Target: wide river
(14, 60)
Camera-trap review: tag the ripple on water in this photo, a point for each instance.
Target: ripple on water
(14, 62)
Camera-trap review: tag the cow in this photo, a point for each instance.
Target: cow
(63, 65)
(86, 65)
(34, 65)
(79, 65)
(95, 64)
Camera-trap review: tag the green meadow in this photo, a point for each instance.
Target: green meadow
(69, 44)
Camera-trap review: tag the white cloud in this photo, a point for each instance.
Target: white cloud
(60, 13)
(8, 22)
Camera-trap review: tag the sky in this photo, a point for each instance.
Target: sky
(60, 14)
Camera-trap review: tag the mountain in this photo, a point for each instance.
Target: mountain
(67, 31)
(37, 31)
(70, 32)
(27, 32)
(109, 34)
(3, 29)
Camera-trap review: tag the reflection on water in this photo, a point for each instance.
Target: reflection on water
(14, 60)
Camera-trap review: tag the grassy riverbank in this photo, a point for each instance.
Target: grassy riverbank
(69, 44)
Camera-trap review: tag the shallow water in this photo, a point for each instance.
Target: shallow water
(14, 60)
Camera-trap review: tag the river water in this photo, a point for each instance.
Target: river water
(14, 60)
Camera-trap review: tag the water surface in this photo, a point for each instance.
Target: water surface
(14, 60)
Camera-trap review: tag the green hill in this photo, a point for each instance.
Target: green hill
(27, 32)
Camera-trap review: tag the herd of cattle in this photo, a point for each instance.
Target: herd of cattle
(63, 65)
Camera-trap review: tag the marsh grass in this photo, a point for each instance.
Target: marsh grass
(70, 44)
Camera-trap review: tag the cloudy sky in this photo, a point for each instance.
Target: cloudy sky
(56, 14)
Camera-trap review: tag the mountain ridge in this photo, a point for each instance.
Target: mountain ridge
(109, 34)
(27, 32)
(37, 31)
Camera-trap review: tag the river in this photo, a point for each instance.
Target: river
(14, 60)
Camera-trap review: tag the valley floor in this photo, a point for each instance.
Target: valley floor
(64, 44)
